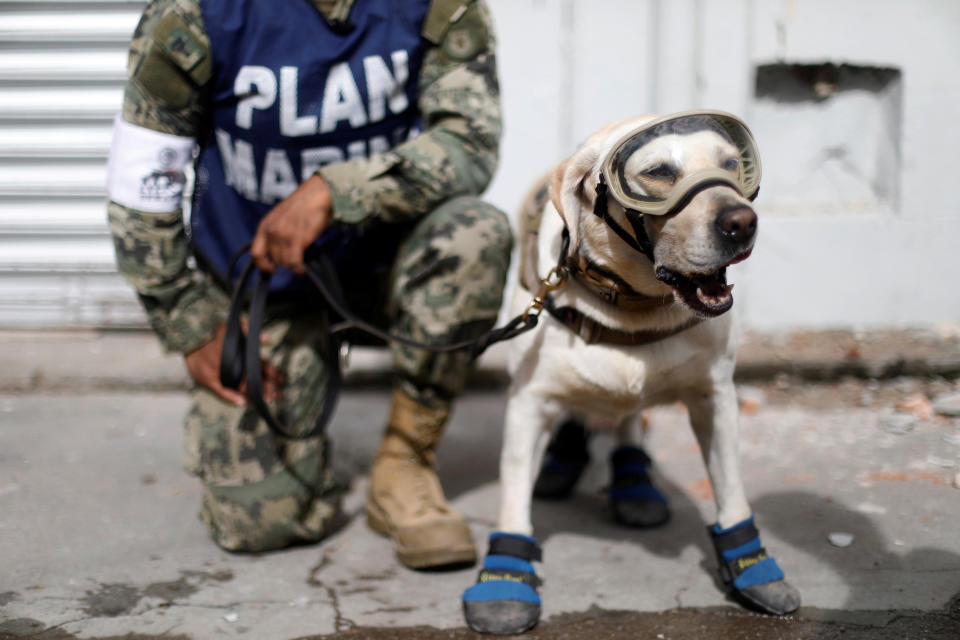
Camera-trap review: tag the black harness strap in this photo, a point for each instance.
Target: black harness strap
(640, 241)
(592, 332)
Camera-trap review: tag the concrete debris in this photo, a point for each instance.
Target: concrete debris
(840, 539)
(231, 617)
(866, 507)
(917, 404)
(751, 398)
(948, 404)
(898, 422)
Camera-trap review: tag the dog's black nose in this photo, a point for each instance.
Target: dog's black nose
(737, 223)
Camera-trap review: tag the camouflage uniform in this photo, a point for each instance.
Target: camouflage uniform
(445, 283)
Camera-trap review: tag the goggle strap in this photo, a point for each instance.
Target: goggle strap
(641, 241)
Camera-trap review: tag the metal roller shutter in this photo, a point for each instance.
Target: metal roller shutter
(62, 69)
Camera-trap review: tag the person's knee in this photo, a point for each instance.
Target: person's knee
(476, 230)
(287, 507)
(256, 518)
(495, 221)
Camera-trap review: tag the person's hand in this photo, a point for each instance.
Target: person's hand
(292, 226)
(203, 365)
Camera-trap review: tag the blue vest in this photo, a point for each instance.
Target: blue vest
(289, 95)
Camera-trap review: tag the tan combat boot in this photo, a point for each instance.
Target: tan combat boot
(406, 501)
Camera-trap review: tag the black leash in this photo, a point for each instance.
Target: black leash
(241, 354)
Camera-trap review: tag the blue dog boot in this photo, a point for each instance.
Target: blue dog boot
(634, 500)
(505, 598)
(754, 577)
(566, 458)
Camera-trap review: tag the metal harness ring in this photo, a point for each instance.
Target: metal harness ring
(555, 279)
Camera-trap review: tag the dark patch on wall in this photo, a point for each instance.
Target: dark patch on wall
(833, 133)
(784, 82)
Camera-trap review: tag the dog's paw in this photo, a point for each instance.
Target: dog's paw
(755, 578)
(634, 500)
(505, 600)
(778, 598)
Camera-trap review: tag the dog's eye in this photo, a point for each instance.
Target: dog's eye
(731, 164)
(661, 172)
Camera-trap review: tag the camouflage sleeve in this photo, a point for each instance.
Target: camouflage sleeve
(169, 66)
(459, 100)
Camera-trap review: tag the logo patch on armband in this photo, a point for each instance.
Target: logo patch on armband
(147, 169)
(167, 181)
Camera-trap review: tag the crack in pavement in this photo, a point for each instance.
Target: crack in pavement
(340, 621)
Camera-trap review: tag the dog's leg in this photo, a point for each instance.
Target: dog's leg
(505, 598)
(754, 577)
(525, 437)
(634, 500)
(716, 423)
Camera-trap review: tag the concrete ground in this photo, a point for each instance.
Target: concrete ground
(99, 536)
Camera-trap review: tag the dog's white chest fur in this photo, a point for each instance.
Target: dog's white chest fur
(616, 381)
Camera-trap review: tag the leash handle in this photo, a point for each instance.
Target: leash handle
(234, 342)
(241, 355)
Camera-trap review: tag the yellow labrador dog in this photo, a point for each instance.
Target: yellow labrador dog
(628, 261)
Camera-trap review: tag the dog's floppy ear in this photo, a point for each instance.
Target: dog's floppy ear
(556, 179)
(573, 182)
(568, 188)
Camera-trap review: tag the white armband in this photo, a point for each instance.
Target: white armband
(147, 169)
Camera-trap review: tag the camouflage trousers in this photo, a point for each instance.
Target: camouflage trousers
(445, 284)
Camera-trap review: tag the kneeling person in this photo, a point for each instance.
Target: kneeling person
(314, 125)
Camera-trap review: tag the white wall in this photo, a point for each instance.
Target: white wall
(568, 66)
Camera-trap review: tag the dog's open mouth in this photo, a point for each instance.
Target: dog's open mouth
(707, 294)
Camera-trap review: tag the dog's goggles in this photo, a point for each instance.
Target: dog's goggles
(656, 168)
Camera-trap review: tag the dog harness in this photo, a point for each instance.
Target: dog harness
(603, 284)
(594, 332)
